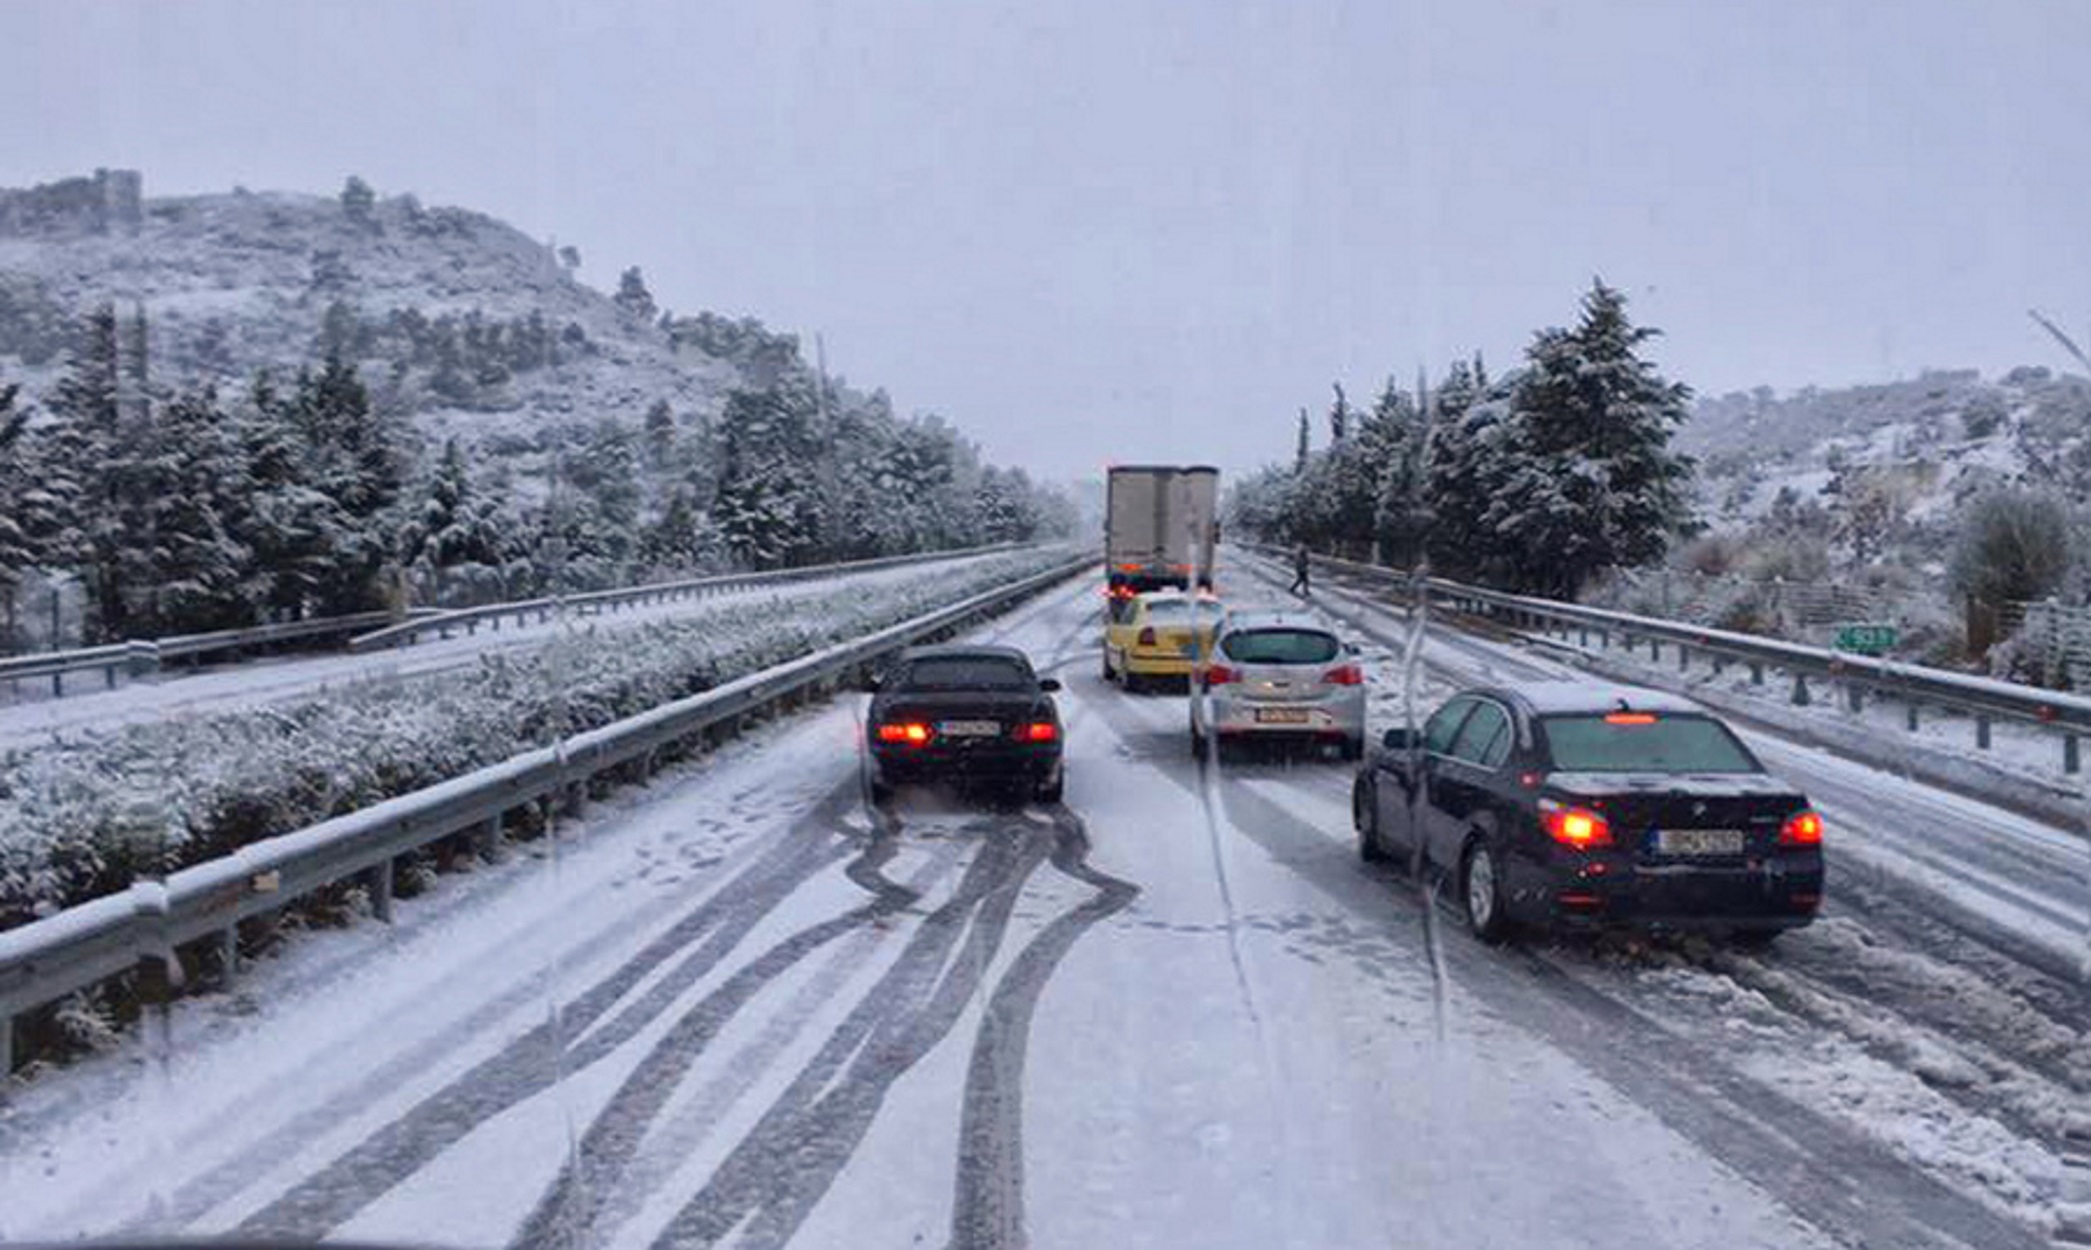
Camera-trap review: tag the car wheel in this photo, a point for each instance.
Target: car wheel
(881, 792)
(1055, 788)
(1353, 749)
(1364, 817)
(1481, 893)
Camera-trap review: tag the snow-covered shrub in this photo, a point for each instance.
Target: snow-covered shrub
(70, 813)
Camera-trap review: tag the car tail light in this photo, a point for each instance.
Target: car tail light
(1801, 829)
(1578, 827)
(1344, 675)
(1038, 731)
(913, 733)
(1147, 636)
(1630, 718)
(1221, 675)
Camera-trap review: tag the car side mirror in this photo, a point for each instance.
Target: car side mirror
(1048, 685)
(1395, 739)
(870, 684)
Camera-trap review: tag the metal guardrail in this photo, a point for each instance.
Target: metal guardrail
(144, 655)
(1914, 686)
(405, 633)
(47, 959)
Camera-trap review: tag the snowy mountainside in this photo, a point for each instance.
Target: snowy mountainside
(455, 316)
(1913, 450)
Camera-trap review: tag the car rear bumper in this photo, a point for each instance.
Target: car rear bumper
(1341, 717)
(897, 765)
(1764, 896)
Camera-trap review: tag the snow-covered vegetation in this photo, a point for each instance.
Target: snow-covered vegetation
(1538, 480)
(216, 410)
(83, 818)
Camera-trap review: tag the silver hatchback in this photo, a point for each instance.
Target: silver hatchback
(1279, 675)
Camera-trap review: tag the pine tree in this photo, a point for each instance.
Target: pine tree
(1588, 479)
(660, 435)
(357, 200)
(199, 570)
(632, 298)
(93, 433)
(19, 551)
(1305, 447)
(767, 511)
(291, 529)
(1339, 416)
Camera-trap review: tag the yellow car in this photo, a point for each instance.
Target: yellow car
(1157, 636)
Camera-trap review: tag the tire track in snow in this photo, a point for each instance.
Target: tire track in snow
(574, 1208)
(533, 1062)
(988, 1192)
(771, 1180)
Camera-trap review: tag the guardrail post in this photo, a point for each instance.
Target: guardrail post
(1800, 690)
(2073, 1210)
(1720, 663)
(379, 884)
(1655, 650)
(1982, 730)
(228, 954)
(1684, 658)
(471, 627)
(490, 838)
(2072, 754)
(1756, 673)
(1910, 715)
(1854, 696)
(58, 685)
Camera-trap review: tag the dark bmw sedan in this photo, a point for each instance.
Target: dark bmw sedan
(1581, 805)
(965, 714)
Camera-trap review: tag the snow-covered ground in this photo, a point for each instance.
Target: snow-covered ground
(29, 717)
(738, 1007)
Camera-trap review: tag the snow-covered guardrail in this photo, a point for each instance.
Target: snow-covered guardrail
(45, 960)
(1915, 686)
(141, 656)
(405, 633)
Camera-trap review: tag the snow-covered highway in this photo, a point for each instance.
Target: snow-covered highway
(740, 1007)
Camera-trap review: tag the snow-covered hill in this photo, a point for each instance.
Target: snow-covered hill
(1891, 464)
(478, 329)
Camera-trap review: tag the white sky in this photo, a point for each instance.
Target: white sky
(1092, 230)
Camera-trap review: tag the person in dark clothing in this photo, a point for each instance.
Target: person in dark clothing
(1300, 568)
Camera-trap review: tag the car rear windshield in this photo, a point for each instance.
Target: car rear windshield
(1665, 744)
(1168, 609)
(1281, 646)
(967, 673)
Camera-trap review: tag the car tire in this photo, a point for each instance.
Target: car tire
(1053, 789)
(1364, 817)
(881, 792)
(1481, 893)
(1353, 749)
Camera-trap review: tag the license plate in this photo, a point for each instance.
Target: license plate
(1699, 841)
(969, 728)
(1281, 716)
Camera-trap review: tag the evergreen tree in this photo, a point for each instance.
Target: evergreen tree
(358, 200)
(1339, 416)
(1588, 480)
(767, 511)
(199, 570)
(660, 435)
(1305, 447)
(291, 529)
(632, 298)
(19, 550)
(93, 433)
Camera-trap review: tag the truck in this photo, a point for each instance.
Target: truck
(1161, 527)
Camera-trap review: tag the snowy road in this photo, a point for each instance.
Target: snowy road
(740, 1008)
(28, 720)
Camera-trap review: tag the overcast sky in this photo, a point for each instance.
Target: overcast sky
(1094, 230)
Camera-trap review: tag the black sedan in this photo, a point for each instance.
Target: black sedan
(968, 714)
(1579, 805)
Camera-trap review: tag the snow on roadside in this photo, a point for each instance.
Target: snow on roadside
(81, 819)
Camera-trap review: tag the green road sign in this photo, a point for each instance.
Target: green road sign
(1866, 639)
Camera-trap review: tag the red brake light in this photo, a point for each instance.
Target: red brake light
(1630, 718)
(914, 733)
(1147, 636)
(1128, 568)
(1039, 731)
(1578, 827)
(1801, 829)
(1221, 675)
(1344, 675)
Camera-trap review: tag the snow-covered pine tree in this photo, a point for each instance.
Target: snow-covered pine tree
(91, 433)
(1467, 422)
(200, 572)
(660, 435)
(766, 509)
(1588, 479)
(292, 529)
(632, 298)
